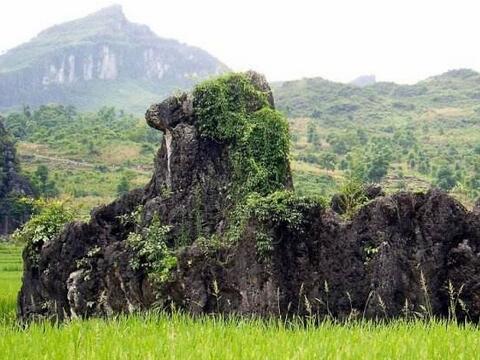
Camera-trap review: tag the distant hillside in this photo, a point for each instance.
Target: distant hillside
(405, 136)
(317, 97)
(102, 59)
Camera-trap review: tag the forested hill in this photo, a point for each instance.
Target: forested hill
(405, 136)
(320, 98)
(102, 59)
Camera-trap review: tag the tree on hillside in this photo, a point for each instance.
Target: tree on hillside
(312, 134)
(328, 161)
(107, 114)
(123, 186)
(372, 164)
(445, 178)
(42, 183)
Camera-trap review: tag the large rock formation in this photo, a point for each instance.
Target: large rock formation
(406, 254)
(13, 186)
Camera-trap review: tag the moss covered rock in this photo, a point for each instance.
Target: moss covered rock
(219, 230)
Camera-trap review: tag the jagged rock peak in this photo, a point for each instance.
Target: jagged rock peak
(175, 109)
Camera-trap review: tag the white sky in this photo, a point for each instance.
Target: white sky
(398, 40)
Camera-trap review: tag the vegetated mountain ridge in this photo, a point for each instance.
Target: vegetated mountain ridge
(102, 59)
(405, 136)
(317, 97)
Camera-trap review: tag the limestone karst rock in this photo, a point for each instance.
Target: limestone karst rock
(100, 60)
(397, 256)
(12, 186)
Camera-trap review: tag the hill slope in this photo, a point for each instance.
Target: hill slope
(406, 136)
(102, 59)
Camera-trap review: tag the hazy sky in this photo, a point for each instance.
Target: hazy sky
(400, 40)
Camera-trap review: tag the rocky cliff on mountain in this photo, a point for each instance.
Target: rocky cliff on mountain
(13, 186)
(94, 61)
(219, 230)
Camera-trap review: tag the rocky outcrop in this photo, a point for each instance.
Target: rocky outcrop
(12, 186)
(400, 255)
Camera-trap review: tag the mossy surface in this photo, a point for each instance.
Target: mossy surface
(230, 109)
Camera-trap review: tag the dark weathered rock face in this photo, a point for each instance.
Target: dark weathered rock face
(12, 186)
(397, 255)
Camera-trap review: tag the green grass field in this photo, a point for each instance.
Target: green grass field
(156, 336)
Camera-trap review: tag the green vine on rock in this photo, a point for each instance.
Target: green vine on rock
(230, 109)
(150, 249)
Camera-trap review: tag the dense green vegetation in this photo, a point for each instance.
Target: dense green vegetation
(401, 136)
(258, 142)
(183, 337)
(10, 278)
(48, 219)
(89, 157)
(405, 136)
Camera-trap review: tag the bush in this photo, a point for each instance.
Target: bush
(352, 196)
(151, 250)
(258, 141)
(49, 219)
(445, 178)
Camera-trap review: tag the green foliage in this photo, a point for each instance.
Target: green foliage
(328, 161)
(123, 186)
(371, 164)
(352, 195)
(382, 130)
(231, 110)
(44, 186)
(14, 207)
(48, 221)
(278, 209)
(312, 134)
(282, 207)
(149, 244)
(445, 178)
(82, 155)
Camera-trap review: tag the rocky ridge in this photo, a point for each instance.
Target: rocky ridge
(400, 255)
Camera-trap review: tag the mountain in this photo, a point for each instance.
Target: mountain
(317, 97)
(102, 59)
(364, 80)
(404, 136)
